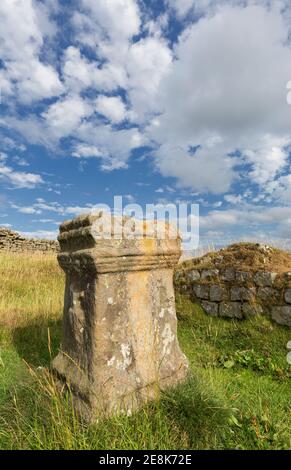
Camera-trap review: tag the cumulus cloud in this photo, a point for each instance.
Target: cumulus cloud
(117, 19)
(208, 7)
(21, 41)
(112, 107)
(18, 179)
(147, 63)
(86, 151)
(115, 146)
(64, 116)
(248, 222)
(79, 73)
(40, 206)
(226, 92)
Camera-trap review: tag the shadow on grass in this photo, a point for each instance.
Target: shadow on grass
(199, 413)
(37, 342)
(187, 417)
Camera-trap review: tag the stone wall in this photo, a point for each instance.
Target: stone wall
(14, 242)
(239, 294)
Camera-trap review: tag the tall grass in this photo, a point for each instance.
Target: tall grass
(237, 396)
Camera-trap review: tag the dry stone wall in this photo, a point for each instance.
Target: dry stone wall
(239, 294)
(14, 242)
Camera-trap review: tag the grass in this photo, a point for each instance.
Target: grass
(237, 396)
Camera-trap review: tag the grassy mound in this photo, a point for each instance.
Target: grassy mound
(237, 396)
(244, 257)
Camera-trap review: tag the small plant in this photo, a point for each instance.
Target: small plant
(253, 360)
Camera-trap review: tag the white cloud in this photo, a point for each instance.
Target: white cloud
(247, 216)
(9, 143)
(40, 206)
(226, 91)
(261, 224)
(86, 151)
(112, 107)
(64, 116)
(118, 19)
(209, 7)
(18, 179)
(25, 209)
(79, 73)
(20, 161)
(267, 158)
(282, 189)
(114, 146)
(21, 41)
(233, 199)
(47, 221)
(137, 67)
(147, 63)
(182, 7)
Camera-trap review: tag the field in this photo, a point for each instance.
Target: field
(237, 397)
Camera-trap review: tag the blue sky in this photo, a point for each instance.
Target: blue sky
(156, 101)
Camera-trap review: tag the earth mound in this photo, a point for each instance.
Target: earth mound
(244, 256)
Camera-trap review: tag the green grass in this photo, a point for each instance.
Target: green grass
(237, 397)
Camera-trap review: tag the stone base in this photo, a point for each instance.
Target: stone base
(92, 400)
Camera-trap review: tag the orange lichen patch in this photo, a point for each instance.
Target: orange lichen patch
(243, 256)
(149, 244)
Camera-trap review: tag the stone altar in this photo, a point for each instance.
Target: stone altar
(119, 346)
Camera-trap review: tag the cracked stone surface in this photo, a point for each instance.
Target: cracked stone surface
(287, 296)
(119, 345)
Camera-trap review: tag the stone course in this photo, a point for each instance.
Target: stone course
(14, 242)
(287, 296)
(233, 293)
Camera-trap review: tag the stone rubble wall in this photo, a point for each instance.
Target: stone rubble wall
(14, 242)
(238, 294)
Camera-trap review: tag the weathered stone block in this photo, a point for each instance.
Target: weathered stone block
(227, 274)
(209, 274)
(201, 291)
(287, 276)
(287, 296)
(230, 309)
(282, 315)
(243, 276)
(119, 345)
(218, 293)
(242, 293)
(250, 309)
(268, 294)
(193, 275)
(264, 279)
(210, 307)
